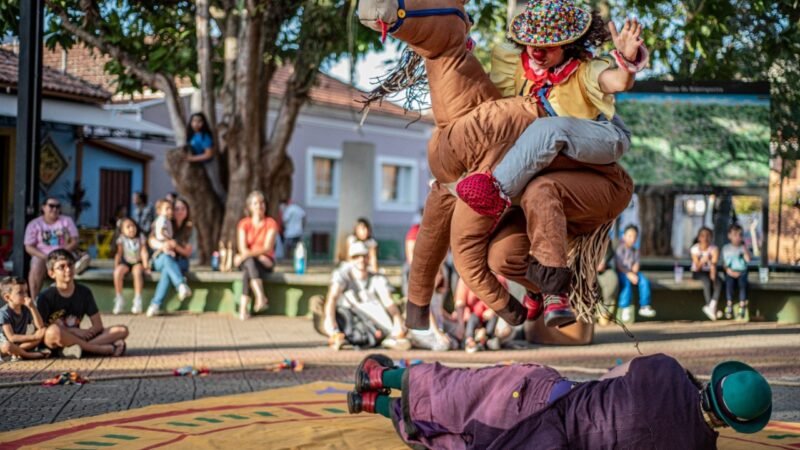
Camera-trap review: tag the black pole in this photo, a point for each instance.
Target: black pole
(29, 114)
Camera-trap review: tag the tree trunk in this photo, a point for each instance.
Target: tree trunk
(192, 183)
(656, 213)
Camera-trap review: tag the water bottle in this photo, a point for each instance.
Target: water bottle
(215, 261)
(300, 258)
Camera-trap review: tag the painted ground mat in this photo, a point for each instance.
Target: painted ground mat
(308, 416)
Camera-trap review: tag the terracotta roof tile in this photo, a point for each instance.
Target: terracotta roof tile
(330, 91)
(54, 83)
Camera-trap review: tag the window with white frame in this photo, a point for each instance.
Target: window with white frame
(323, 170)
(396, 183)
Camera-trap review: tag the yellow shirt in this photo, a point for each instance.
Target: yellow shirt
(579, 96)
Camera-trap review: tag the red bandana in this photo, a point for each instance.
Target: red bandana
(546, 77)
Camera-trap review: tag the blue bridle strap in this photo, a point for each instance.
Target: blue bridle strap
(403, 13)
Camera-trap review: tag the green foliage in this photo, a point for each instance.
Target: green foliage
(697, 144)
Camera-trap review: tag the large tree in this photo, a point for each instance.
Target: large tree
(230, 49)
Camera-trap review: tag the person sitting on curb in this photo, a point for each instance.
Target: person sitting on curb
(534, 406)
(354, 285)
(627, 260)
(63, 307)
(19, 312)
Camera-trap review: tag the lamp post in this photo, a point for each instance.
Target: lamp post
(29, 114)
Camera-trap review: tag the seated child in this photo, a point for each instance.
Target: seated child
(477, 319)
(627, 261)
(63, 306)
(735, 257)
(15, 316)
(131, 256)
(533, 406)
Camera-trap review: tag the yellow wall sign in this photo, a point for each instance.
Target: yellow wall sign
(51, 163)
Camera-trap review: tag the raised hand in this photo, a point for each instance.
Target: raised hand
(627, 40)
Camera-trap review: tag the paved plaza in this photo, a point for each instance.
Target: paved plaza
(239, 353)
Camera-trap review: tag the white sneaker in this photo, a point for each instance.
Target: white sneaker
(137, 305)
(73, 351)
(184, 292)
(402, 344)
(708, 311)
(153, 310)
(82, 263)
(647, 311)
(119, 304)
(627, 314)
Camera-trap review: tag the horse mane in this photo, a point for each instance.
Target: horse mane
(409, 75)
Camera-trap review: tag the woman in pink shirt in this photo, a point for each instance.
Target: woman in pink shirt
(48, 232)
(256, 236)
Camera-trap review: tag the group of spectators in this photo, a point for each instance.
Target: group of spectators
(56, 317)
(361, 310)
(619, 275)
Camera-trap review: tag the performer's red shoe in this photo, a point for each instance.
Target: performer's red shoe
(482, 193)
(370, 372)
(362, 402)
(557, 312)
(535, 304)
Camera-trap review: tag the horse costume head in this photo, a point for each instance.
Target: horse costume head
(437, 30)
(430, 27)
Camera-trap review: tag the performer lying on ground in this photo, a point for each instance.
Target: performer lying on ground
(649, 402)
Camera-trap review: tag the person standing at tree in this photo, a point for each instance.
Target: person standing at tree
(143, 213)
(201, 150)
(294, 221)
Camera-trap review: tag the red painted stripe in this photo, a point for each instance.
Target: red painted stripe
(41, 437)
(179, 438)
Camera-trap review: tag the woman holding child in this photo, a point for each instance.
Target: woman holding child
(256, 235)
(162, 242)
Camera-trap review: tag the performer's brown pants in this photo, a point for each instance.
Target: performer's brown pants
(568, 199)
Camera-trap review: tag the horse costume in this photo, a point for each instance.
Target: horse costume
(565, 212)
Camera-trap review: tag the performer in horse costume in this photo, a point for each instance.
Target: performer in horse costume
(570, 202)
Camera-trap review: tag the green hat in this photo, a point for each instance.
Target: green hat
(549, 23)
(741, 396)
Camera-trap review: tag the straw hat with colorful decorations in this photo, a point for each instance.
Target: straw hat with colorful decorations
(549, 23)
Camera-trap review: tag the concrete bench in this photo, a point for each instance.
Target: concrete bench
(776, 300)
(212, 291)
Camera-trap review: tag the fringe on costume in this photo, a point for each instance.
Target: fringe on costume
(584, 254)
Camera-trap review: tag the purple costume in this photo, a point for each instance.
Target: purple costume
(654, 406)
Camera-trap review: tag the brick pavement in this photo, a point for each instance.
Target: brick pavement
(224, 343)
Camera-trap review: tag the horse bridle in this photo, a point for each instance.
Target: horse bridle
(403, 13)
